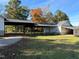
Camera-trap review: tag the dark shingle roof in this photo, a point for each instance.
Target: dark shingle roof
(18, 21)
(64, 23)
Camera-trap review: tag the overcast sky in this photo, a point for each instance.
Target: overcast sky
(70, 7)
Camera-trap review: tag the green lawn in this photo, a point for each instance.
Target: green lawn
(65, 39)
(48, 47)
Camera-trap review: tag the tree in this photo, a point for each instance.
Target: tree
(60, 16)
(49, 17)
(16, 11)
(37, 16)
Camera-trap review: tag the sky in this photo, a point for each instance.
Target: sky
(70, 7)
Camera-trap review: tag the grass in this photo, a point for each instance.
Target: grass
(47, 47)
(65, 39)
(57, 37)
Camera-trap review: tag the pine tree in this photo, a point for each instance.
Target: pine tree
(16, 11)
(61, 16)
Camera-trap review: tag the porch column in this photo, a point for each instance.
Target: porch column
(44, 29)
(24, 30)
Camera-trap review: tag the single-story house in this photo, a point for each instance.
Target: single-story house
(15, 26)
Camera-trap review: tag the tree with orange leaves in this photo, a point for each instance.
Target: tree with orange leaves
(37, 16)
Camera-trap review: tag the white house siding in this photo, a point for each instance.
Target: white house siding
(54, 30)
(76, 32)
(1, 26)
(51, 30)
(60, 29)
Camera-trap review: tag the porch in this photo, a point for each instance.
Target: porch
(22, 27)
